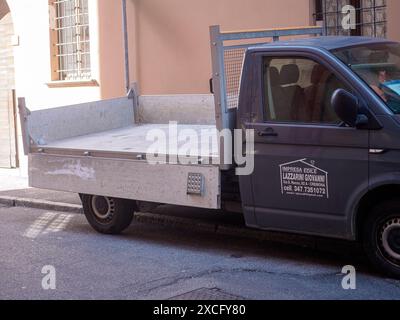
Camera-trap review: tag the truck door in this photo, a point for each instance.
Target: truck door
(308, 166)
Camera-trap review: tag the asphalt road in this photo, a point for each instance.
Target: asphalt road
(161, 262)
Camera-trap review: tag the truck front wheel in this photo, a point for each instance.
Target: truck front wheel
(382, 237)
(108, 215)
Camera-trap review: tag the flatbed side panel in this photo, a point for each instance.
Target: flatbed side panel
(184, 109)
(126, 179)
(50, 125)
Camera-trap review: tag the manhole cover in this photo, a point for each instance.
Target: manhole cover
(207, 294)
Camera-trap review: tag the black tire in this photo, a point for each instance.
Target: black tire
(108, 215)
(381, 237)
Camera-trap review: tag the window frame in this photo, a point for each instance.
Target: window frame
(300, 55)
(56, 80)
(320, 15)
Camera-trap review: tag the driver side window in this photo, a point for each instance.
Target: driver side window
(299, 90)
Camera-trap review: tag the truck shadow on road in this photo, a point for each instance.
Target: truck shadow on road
(288, 248)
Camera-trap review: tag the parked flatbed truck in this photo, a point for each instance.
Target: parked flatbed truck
(325, 116)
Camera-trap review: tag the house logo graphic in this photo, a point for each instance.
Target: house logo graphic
(302, 178)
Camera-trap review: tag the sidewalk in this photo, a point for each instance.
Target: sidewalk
(11, 179)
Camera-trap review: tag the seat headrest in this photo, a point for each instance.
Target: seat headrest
(274, 76)
(290, 74)
(317, 73)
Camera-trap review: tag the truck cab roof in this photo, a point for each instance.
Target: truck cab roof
(327, 42)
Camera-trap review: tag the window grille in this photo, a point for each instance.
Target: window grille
(370, 17)
(72, 41)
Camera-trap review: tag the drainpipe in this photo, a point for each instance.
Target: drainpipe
(126, 45)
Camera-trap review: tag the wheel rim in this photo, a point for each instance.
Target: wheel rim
(390, 240)
(103, 208)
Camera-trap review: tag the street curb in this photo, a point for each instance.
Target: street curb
(7, 201)
(41, 204)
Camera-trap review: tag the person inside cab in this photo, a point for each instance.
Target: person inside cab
(382, 78)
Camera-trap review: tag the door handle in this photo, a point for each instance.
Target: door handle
(268, 132)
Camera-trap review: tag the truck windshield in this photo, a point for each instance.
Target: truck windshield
(379, 66)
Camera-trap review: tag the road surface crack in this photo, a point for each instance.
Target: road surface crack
(170, 281)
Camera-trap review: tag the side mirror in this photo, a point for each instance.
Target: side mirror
(346, 107)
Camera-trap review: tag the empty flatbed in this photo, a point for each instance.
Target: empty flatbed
(99, 148)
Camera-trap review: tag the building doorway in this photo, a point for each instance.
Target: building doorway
(8, 144)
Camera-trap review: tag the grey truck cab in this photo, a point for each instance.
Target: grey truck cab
(325, 116)
(327, 158)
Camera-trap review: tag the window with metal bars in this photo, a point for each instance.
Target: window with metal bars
(70, 40)
(370, 17)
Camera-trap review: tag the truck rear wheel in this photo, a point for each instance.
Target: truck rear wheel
(108, 215)
(382, 237)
